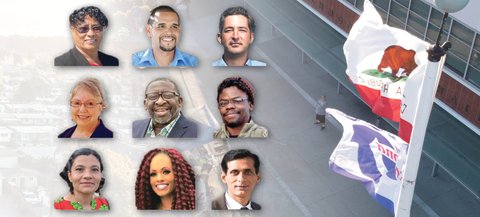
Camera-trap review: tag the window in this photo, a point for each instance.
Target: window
(359, 4)
(417, 24)
(420, 8)
(402, 2)
(461, 39)
(461, 32)
(395, 22)
(436, 18)
(459, 47)
(382, 13)
(475, 58)
(400, 13)
(473, 75)
(455, 63)
(432, 33)
(473, 72)
(381, 4)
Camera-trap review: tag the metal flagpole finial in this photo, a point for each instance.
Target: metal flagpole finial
(436, 51)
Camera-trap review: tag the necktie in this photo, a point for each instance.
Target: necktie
(244, 208)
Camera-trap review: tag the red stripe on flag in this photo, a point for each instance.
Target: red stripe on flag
(382, 106)
(405, 130)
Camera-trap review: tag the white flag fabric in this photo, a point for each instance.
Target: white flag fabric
(370, 155)
(386, 65)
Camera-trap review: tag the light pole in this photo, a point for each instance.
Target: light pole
(447, 6)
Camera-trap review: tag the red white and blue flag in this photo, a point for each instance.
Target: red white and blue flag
(370, 155)
(386, 65)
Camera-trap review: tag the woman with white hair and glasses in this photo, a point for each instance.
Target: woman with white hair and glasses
(87, 101)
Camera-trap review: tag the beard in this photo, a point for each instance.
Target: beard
(234, 124)
(167, 49)
(168, 46)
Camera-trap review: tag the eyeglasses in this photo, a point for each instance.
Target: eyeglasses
(88, 104)
(235, 101)
(165, 95)
(86, 28)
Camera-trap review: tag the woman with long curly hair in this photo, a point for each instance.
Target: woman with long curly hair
(165, 181)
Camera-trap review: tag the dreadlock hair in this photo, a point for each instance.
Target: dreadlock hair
(184, 189)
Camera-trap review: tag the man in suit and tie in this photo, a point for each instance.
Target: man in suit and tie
(240, 172)
(164, 104)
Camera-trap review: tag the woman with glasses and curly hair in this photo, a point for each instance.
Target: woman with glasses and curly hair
(87, 26)
(165, 181)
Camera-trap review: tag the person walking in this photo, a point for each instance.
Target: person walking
(320, 107)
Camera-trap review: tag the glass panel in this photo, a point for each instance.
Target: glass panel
(359, 4)
(381, 4)
(462, 32)
(394, 22)
(459, 48)
(473, 75)
(477, 43)
(432, 33)
(398, 11)
(436, 18)
(403, 2)
(383, 14)
(456, 64)
(420, 8)
(351, 1)
(475, 59)
(414, 32)
(417, 23)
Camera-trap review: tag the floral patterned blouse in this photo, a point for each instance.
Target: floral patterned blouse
(98, 203)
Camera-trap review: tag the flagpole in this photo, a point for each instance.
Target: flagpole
(428, 88)
(427, 95)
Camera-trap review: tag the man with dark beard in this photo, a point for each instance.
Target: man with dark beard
(164, 103)
(163, 29)
(235, 102)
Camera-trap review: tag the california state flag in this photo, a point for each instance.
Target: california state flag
(386, 65)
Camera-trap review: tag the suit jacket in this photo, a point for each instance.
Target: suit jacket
(73, 57)
(184, 128)
(220, 204)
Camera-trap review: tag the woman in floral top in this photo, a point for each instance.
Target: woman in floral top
(83, 174)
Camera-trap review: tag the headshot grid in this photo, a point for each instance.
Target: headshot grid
(219, 108)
